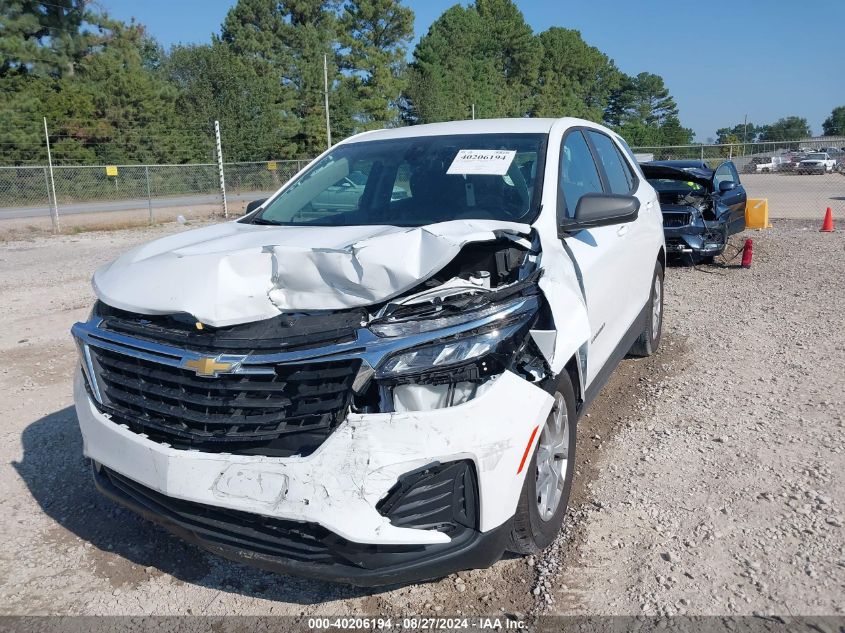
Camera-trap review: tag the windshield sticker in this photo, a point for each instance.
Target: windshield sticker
(487, 162)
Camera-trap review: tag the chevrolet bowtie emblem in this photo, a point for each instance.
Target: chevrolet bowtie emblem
(207, 366)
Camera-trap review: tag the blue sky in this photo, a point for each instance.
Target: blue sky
(721, 60)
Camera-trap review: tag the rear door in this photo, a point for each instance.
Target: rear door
(599, 252)
(734, 199)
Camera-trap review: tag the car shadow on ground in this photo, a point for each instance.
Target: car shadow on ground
(60, 481)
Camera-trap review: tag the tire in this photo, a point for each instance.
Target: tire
(532, 531)
(649, 340)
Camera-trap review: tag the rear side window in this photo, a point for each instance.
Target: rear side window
(619, 176)
(578, 173)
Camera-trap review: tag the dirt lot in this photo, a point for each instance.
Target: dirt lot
(710, 477)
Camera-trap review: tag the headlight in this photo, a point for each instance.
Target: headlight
(410, 326)
(446, 353)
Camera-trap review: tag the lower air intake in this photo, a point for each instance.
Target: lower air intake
(442, 497)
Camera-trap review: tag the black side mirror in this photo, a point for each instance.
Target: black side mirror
(600, 209)
(726, 185)
(252, 206)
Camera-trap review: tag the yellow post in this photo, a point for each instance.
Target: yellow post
(757, 213)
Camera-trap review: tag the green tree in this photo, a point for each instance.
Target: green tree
(45, 39)
(834, 125)
(483, 55)
(791, 128)
(642, 110)
(574, 79)
(293, 36)
(134, 117)
(95, 84)
(744, 132)
(375, 35)
(214, 83)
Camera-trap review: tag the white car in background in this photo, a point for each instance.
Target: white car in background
(816, 163)
(376, 388)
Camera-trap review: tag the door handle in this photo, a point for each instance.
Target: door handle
(622, 230)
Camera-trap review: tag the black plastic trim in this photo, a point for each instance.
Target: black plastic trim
(437, 496)
(366, 565)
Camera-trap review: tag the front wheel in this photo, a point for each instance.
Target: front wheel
(548, 479)
(649, 340)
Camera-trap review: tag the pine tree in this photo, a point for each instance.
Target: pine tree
(575, 79)
(292, 36)
(483, 55)
(374, 34)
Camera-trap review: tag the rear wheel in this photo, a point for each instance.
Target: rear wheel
(649, 340)
(548, 479)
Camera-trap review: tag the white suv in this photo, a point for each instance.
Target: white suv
(384, 390)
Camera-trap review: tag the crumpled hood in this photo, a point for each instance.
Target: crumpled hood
(698, 176)
(233, 273)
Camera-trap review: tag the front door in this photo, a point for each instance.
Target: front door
(599, 252)
(734, 199)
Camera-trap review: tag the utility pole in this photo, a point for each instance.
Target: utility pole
(54, 207)
(326, 94)
(473, 112)
(220, 167)
(744, 134)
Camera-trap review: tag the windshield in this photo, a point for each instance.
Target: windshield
(816, 156)
(416, 181)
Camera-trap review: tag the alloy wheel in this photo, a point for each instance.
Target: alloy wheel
(552, 459)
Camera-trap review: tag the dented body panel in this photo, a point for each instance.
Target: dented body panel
(353, 469)
(369, 391)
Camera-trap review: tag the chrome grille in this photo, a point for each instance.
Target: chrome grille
(288, 411)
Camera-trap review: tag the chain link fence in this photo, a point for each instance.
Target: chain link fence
(153, 191)
(799, 179)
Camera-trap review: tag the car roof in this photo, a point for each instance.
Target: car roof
(681, 164)
(474, 126)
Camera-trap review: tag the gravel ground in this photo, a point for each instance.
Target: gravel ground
(709, 476)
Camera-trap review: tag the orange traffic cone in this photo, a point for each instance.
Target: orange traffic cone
(827, 225)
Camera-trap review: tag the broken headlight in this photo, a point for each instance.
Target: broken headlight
(438, 317)
(447, 353)
(472, 349)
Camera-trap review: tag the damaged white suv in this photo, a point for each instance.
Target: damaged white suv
(374, 377)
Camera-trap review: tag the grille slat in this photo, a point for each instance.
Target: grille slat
(676, 218)
(290, 411)
(240, 400)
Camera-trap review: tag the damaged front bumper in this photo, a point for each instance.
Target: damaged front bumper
(698, 239)
(336, 496)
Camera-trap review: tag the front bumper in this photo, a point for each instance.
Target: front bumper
(811, 169)
(694, 239)
(302, 549)
(339, 486)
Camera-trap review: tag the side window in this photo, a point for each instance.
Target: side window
(726, 172)
(578, 174)
(631, 156)
(619, 176)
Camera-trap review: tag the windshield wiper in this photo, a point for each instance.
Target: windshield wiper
(264, 222)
